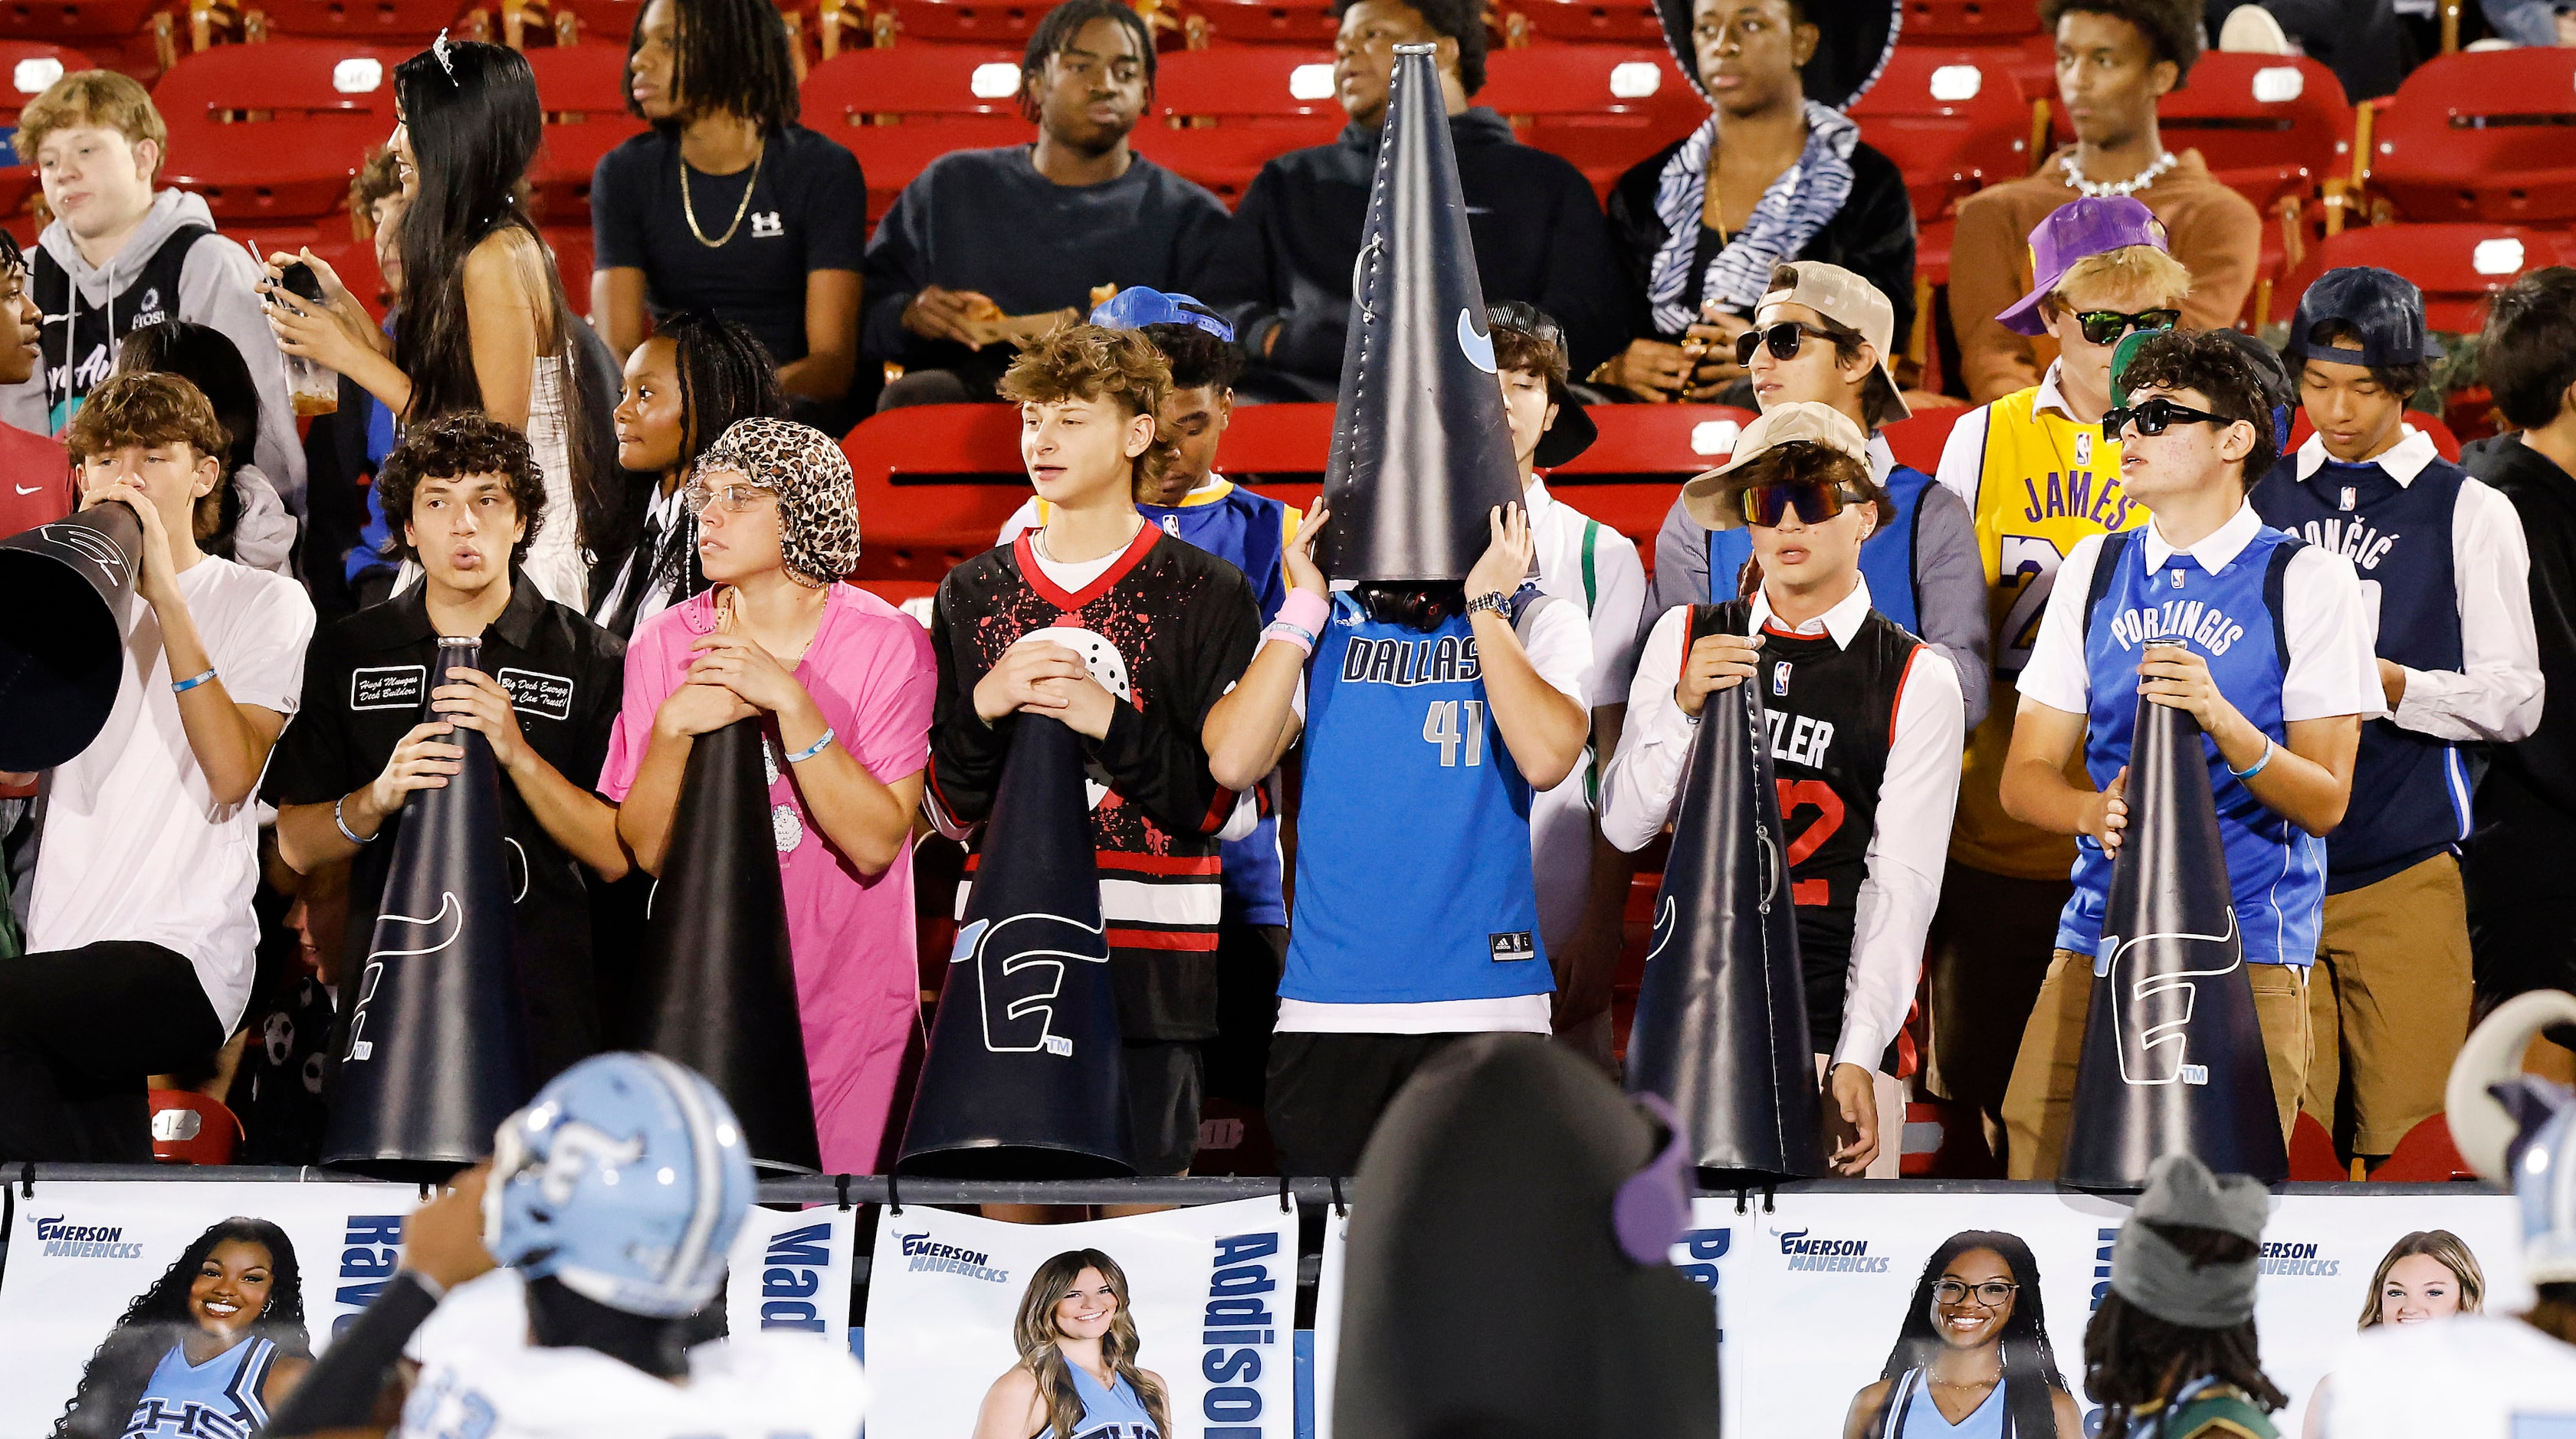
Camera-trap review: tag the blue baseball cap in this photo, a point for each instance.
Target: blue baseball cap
(2382, 306)
(1137, 307)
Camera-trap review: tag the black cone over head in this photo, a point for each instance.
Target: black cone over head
(1505, 1179)
(718, 981)
(436, 1054)
(1421, 449)
(1025, 1077)
(2173, 1058)
(65, 589)
(1721, 1025)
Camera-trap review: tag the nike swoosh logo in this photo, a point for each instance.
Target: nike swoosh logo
(26, 489)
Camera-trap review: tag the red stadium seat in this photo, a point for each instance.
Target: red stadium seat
(2268, 125)
(77, 22)
(271, 133)
(898, 110)
(2312, 1153)
(1628, 478)
(1258, 22)
(948, 22)
(189, 1128)
(1952, 120)
(391, 23)
(1972, 21)
(2425, 1156)
(935, 483)
(1225, 158)
(1612, 22)
(582, 90)
(30, 66)
(571, 245)
(2457, 265)
(2489, 135)
(1918, 441)
(1602, 108)
(1250, 83)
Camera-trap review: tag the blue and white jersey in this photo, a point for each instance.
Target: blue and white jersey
(1413, 858)
(219, 1399)
(1114, 1412)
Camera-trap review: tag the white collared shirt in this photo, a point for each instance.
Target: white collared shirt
(2495, 694)
(2331, 669)
(1907, 845)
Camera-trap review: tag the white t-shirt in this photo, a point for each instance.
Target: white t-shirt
(134, 846)
(480, 1376)
(2479, 1376)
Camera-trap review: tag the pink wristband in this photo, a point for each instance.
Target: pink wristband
(1306, 610)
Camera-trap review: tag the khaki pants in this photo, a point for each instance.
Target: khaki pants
(2041, 1101)
(2388, 1004)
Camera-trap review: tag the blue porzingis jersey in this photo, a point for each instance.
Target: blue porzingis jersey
(219, 1399)
(2233, 620)
(1886, 557)
(1413, 869)
(2410, 790)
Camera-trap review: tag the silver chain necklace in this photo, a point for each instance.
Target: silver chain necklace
(2098, 189)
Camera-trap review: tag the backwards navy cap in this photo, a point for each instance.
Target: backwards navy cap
(1136, 307)
(2382, 306)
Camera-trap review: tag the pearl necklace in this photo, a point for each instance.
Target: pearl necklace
(2097, 189)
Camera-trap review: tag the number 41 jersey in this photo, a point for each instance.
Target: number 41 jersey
(1413, 859)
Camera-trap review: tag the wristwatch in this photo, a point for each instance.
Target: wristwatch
(1495, 600)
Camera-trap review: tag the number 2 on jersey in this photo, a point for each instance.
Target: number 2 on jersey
(1441, 727)
(2032, 560)
(1820, 797)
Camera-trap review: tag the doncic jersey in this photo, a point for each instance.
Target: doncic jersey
(1115, 1412)
(219, 1399)
(1413, 855)
(480, 1378)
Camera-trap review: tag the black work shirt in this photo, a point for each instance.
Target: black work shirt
(366, 684)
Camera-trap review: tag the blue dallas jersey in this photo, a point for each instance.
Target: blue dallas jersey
(1251, 532)
(1413, 859)
(2233, 620)
(1886, 558)
(219, 1399)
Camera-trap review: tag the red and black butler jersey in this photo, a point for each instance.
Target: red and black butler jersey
(1179, 625)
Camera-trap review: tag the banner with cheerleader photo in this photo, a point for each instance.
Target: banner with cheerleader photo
(245, 1281)
(1206, 1297)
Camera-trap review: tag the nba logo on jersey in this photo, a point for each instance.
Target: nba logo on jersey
(1515, 945)
(2083, 447)
(1780, 678)
(2348, 498)
(1172, 525)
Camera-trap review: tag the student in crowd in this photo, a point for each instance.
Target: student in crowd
(2115, 60)
(41, 488)
(1776, 173)
(1252, 532)
(120, 253)
(986, 235)
(485, 326)
(2283, 718)
(469, 505)
(845, 683)
(1924, 571)
(345, 533)
(2171, 1352)
(1185, 623)
(687, 384)
(2038, 475)
(252, 525)
(2524, 843)
(139, 929)
(728, 205)
(1283, 273)
(1876, 802)
(1582, 879)
(2441, 559)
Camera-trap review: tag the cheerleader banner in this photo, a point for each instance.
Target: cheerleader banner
(242, 1282)
(789, 1273)
(1194, 1311)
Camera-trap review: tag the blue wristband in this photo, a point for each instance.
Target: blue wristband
(817, 747)
(2257, 766)
(180, 687)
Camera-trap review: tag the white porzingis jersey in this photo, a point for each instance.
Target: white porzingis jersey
(2474, 1377)
(480, 1378)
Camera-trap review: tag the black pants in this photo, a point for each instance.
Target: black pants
(2514, 870)
(80, 1031)
(1328, 1090)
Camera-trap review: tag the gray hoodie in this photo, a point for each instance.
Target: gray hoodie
(215, 289)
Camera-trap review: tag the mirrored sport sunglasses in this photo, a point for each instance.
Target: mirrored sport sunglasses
(2154, 417)
(2106, 327)
(1768, 505)
(1783, 340)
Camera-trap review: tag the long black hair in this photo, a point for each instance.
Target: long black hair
(731, 55)
(2029, 1362)
(158, 1318)
(2131, 1357)
(725, 375)
(474, 122)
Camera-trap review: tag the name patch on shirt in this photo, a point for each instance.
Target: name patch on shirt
(538, 693)
(387, 687)
(1514, 945)
(2177, 622)
(1448, 659)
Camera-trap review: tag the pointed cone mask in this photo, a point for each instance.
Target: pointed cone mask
(2173, 1058)
(1421, 449)
(1721, 1026)
(1025, 1077)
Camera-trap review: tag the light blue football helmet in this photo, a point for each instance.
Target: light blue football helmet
(2520, 1130)
(626, 1178)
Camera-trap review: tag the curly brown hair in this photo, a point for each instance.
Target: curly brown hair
(2171, 28)
(2207, 361)
(1093, 362)
(451, 447)
(147, 408)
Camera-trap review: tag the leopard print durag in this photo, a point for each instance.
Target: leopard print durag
(818, 498)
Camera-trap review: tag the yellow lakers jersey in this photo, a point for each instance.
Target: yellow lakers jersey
(2046, 482)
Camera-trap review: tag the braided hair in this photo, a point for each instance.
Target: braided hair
(2130, 1355)
(733, 56)
(725, 375)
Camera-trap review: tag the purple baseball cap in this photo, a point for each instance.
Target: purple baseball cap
(2074, 231)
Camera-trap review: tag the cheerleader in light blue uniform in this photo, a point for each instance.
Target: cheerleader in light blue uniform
(1077, 1377)
(206, 1352)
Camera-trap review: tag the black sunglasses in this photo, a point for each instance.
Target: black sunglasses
(2154, 417)
(1815, 502)
(1782, 338)
(2103, 327)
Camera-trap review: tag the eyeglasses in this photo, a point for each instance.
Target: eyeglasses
(1993, 1294)
(1767, 505)
(2155, 416)
(1783, 339)
(2104, 327)
(733, 499)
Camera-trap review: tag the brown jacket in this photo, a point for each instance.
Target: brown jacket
(2217, 235)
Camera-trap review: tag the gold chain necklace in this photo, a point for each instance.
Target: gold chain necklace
(739, 211)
